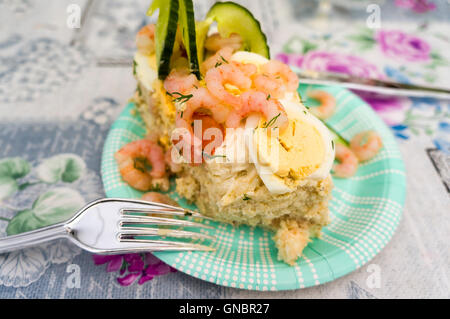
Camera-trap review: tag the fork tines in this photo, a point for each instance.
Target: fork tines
(131, 231)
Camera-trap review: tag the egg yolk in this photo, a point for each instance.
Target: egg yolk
(297, 152)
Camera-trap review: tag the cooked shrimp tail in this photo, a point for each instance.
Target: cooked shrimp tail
(215, 42)
(366, 145)
(140, 162)
(327, 104)
(145, 39)
(347, 162)
(227, 74)
(276, 79)
(257, 102)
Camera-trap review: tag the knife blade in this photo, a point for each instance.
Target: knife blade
(370, 84)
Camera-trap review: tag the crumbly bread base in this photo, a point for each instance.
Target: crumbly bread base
(295, 217)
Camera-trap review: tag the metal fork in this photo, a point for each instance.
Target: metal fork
(115, 226)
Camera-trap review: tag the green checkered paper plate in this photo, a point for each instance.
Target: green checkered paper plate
(365, 211)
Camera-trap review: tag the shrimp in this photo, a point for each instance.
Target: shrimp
(257, 102)
(197, 147)
(248, 69)
(275, 79)
(133, 159)
(231, 74)
(204, 100)
(215, 42)
(180, 81)
(366, 145)
(200, 101)
(348, 162)
(174, 166)
(159, 198)
(220, 57)
(327, 105)
(145, 39)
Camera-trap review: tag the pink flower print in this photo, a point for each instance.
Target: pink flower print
(418, 6)
(397, 44)
(340, 63)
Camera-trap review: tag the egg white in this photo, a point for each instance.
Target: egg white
(145, 74)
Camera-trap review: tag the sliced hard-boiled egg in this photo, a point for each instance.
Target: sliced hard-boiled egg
(303, 150)
(145, 69)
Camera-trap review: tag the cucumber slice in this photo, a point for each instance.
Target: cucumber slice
(166, 30)
(187, 25)
(201, 29)
(234, 18)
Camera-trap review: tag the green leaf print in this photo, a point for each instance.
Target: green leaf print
(436, 61)
(364, 39)
(299, 45)
(14, 167)
(8, 186)
(52, 207)
(63, 167)
(22, 222)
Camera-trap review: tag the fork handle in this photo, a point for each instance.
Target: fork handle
(33, 237)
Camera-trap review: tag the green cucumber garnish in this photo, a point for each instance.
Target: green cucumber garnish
(234, 18)
(230, 17)
(166, 30)
(201, 29)
(188, 34)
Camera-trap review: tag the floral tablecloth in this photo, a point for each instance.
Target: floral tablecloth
(61, 88)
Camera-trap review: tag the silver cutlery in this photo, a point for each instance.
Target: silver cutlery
(368, 84)
(116, 226)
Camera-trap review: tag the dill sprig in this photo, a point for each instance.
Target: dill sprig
(181, 97)
(340, 137)
(134, 67)
(219, 63)
(272, 121)
(212, 156)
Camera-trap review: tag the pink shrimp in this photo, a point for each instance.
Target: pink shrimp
(275, 79)
(200, 101)
(228, 73)
(180, 81)
(366, 145)
(223, 56)
(215, 42)
(348, 162)
(257, 102)
(173, 165)
(203, 99)
(133, 159)
(248, 69)
(327, 104)
(220, 57)
(145, 39)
